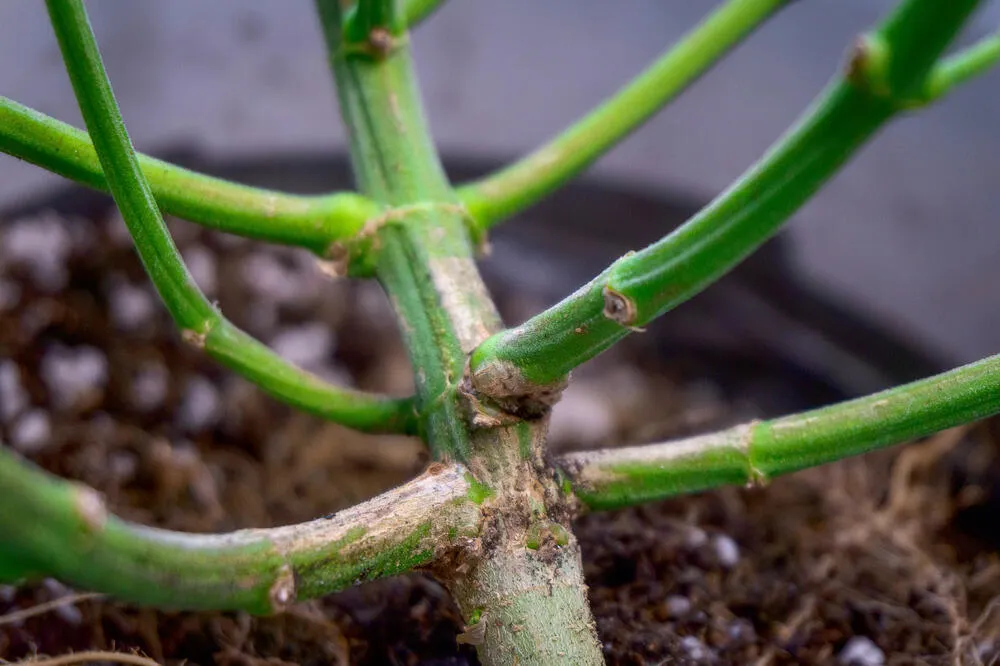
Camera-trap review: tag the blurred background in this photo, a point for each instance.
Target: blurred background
(908, 235)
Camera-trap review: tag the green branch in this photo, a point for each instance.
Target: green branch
(63, 530)
(524, 183)
(415, 11)
(758, 451)
(314, 223)
(886, 71)
(201, 323)
(967, 64)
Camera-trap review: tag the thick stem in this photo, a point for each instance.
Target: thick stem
(885, 74)
(524, 183)
(529, 607)
(758, 451)
(421, 250)
(55, 528)
(423, 257)
(522, 587)
(315, 223)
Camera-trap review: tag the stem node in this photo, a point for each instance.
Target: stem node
(196, 339)
(618, 307)
(282, 593)
(867, 65)
(91, 508)
(501, 383)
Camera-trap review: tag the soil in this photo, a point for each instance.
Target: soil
(890, 558)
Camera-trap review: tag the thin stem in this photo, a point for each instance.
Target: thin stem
(201, 322)
(92, 656)
(525, 182)
(415, 11)
(964, 65)
(315, 223)
(63, 530)
(19, 616)
(761, 450)
(881, 78)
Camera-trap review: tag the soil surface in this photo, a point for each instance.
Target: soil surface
(890, 558)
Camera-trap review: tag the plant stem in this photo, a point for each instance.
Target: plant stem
(886, 71)
(423, 258)
(314, 223)
(524, 589)
(368, 22)
(761, 450)
(967, 64)
(524, 183)
(360, 410)
(415, 11)
(55, 528)
(201, 322)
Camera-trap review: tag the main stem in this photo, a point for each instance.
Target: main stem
(520, 583)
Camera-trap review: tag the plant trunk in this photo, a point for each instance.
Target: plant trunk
(521, 587)
(531, 607)
(519, 582)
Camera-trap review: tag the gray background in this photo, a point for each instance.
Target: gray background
(909, 231)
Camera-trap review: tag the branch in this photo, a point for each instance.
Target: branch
(201, 322)
(520, 185)
(967, 64)
(887, 70)
(60, 529)
(758, 451)
(415, 11)
(315, 223)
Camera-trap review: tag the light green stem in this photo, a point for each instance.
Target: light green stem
(758, 451)
(201, 322)
(967, 64)
(415, 11)
(55, 528)
(524, 183)
(887, 69)
(315, 223)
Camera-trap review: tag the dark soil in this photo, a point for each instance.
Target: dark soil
(890, 558)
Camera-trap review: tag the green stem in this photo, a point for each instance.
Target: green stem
(372, 23)
(967, 64)
(415, 11)
(424, 256)
(201, 323)
(524, 572)
(60, 529)
(761, 450)
(525, 182)
(314, 223)
(886, 69)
